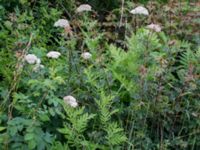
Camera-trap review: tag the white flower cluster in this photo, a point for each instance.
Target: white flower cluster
(53, 54)
(37, 67)
(63, 23)
(70, 100)
(140, 10)
(32, 59)
(84, 7)
(144, 11)
(154, 27)
(86, 55)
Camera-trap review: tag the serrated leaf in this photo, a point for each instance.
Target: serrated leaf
(29, 136)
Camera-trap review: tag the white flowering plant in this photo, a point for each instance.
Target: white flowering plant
(73, 77)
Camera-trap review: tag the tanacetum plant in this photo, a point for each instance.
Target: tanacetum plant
(73, 76)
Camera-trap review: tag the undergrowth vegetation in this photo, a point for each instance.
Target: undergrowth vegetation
(111, 75)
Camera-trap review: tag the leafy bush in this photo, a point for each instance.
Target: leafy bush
(143, 94)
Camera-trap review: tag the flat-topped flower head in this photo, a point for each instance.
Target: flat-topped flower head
(84, 7)
(140, 10)
(32, 59)
(63, 23)
(70, 100)
(53, 54)
(154, 27)
(86, 55)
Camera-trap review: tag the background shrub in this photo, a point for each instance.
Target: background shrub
(138, 90)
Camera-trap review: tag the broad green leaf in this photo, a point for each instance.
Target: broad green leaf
(2, 128)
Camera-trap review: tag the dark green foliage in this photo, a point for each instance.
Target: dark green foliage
(143, 94)
(103, 5)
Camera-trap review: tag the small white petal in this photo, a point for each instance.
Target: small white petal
(53, 54)
(140, 10)
(70, 100)
(154, 27)
(42, 66)
(74, 104)
(38, 67)
(84, 7)
(38, 61)
(31, 59)
(86, 55)
(63, 23)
